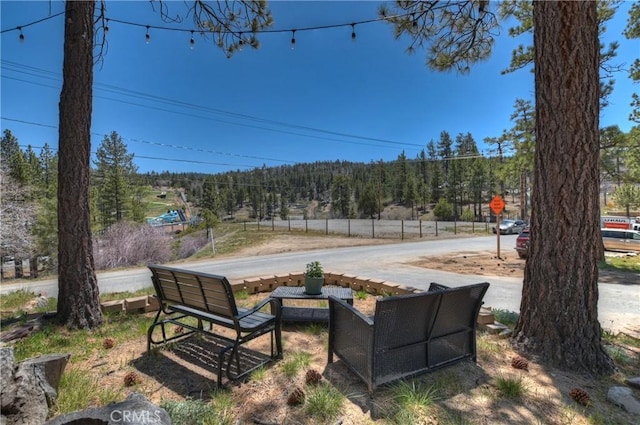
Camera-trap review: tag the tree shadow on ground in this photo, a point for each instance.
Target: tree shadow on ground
(460, 377)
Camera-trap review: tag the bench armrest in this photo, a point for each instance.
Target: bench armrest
(275, 308)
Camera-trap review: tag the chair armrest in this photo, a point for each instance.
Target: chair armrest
(345, 308)
(351, 337)
(437, 287)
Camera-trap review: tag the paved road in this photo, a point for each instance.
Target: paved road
(619, 303)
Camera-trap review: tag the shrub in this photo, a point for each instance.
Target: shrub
(191, 243)
(443, 210)
(129, 244)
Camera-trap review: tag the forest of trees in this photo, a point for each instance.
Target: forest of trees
(449, 174)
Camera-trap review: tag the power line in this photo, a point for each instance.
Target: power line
(168, 145)
(159, 99)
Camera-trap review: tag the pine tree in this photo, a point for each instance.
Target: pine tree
(114, 173)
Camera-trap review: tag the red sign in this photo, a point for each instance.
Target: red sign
(497, 204)
(615, 223)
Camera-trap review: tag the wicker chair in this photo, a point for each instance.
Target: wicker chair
(408, 335)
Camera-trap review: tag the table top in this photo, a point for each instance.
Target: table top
(292, 292)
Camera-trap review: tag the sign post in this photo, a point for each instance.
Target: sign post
(497, 205)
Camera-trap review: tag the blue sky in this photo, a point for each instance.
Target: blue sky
(182, 109)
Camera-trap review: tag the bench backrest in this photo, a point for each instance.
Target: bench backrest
(202, 291)
(420, 331)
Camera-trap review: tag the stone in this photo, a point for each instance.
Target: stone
(135, 410)
(29, 388)
(633, 382)
(623, 397)
(48, 369)
(7, 364)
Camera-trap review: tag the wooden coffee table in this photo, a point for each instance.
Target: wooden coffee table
(292, 313)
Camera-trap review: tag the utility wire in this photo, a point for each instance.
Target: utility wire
(136, 94)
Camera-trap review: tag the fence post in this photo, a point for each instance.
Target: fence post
(306, 225)
(420, 225)
(455, 226)
(326, 226)
(473, 227)
(272, 224)
(17, 265)
(373, 229)
(436, 227)
(402, 229)
(289, 218)
(348, 227)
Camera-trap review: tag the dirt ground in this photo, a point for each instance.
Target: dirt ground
(468, 392)
(484, 263)
(471, 392)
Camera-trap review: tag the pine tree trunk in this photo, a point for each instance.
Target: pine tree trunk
(78, 303)
(559, 308)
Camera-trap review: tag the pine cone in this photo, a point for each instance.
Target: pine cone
(108, 343)
(313, 377)
(296, 397)
(520, 363)
(580, 396)
(130, 379)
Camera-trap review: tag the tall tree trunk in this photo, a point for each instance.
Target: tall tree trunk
(78, 303)
(559, 308)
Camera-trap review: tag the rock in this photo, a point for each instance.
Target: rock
(633, 382)
(623, 397)
(29, 388)
(7, 363)
(48, 369)
(135, 410)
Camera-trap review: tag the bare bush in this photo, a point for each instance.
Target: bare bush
(191, 243)
(130, 244)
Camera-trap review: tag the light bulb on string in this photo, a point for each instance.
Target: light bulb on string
(147, 36)
(21, 36)
(106, 27)
(293, 39)
(192, 41)
(241, 42)
(353, 32)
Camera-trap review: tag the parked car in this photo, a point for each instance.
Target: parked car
(510, 227)
(625, 240)
(522, 243)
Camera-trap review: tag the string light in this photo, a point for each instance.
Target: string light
(241, 41)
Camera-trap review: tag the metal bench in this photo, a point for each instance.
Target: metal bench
(408, 335)
(185, 294)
